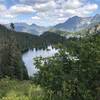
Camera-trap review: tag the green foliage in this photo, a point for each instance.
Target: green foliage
(27, 41)
(10, 60)
(19, 90)
(73, 73)
(13, 44)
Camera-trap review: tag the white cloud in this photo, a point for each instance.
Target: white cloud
(9, 16)
(21, 8)
(61, 19)
(91, 7)
(43, 7)
(36, 18)
(47, 12)
(72, 4)
(86, 9)
(15, 10)
(34, 1)
(56, 11)
(2, 7)
(4, 13)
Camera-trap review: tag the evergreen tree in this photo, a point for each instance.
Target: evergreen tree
(11, 62)
(73, 73)
(12, 26)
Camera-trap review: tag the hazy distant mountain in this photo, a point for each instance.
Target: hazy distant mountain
(78, 23)
(32, 29)
(38, 29)
(73, 24)
(96, 18)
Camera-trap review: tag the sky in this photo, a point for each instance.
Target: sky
(46, 12)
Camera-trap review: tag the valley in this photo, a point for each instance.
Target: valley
(55, 64)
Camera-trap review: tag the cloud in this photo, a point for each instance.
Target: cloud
(2, 7)
(21, 8)
(9, 16)
(34, 1)
(72, 4)
(44, 7)
(91, 7)
(36, 18)
(56, 11)
(15, 10)
(87, 9)
(4, 13)
(47, 12)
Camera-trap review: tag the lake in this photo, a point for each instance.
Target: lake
(28, 58)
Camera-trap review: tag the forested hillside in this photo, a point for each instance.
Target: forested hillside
(71, 74)
(74, 72)
(49, 49)
(13, 44)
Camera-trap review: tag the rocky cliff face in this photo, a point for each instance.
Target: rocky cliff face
(98, 28)
(95, 29)
(77, 23)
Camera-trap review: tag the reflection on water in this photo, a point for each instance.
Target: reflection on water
(29, 61)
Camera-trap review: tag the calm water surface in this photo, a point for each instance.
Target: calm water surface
(29, 61)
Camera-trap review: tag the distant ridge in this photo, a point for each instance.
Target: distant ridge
(77, 23)
(32, 29)
(73, 24)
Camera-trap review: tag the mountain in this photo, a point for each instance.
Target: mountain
(96, 18)
(24, 40)
(32, 29)
(73, 24)
(38, 29)
(77, 23)
(94, 29)
(52, 38)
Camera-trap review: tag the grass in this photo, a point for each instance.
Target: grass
(20, 90)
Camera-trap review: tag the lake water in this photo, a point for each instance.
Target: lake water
(29, 61)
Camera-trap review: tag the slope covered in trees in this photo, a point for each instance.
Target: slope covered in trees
(71, 74)
(13, 44)
(74, 72)
(10, 57)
